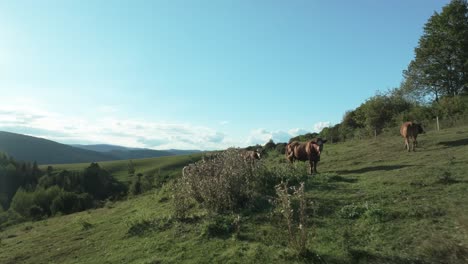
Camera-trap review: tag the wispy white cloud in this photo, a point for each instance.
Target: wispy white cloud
(321, 125)
(31, 118)
(297, 131)
(107, 128)
(261, 136)
(107, 109)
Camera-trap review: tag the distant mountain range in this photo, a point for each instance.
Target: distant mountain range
(43, 151)
(133, 153)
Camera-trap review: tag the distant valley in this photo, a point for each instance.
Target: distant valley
(43, 151)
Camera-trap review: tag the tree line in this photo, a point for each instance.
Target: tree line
(435, 83)
(28, 193)
(14, 175)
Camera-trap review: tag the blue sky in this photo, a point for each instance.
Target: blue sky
(197, 74)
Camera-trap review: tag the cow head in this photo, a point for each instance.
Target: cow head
(320, 142)
(420, 129)
(257, 153)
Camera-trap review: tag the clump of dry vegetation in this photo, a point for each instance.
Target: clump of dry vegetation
(224, 182)
(295, 217)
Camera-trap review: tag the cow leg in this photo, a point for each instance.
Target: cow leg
(407, 146)
(315, 166)
(413, 143)
(311, 163)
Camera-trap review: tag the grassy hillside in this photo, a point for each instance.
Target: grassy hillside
(43, 151)
(372, 203)
(165, 166)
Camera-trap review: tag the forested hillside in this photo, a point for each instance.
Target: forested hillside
(43, 151)
(14, 175)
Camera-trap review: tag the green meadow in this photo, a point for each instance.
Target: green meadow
(168, 166)
(372, 202)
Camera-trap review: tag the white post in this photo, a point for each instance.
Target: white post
(437, 120)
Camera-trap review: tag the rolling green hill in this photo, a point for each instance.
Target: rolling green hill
(43, 151)
(373, 202)
(123, 153)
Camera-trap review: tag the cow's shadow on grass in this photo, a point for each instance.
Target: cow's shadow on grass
(374, 168)
(455, 143)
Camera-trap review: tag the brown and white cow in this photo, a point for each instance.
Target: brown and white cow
(291, 145)
(250, 156)
(410, 130)
(306, 151)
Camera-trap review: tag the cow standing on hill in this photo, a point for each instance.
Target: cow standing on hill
(307, 151)
(410, 130)
(290, 149)
(250, 156)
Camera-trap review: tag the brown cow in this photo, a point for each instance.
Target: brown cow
(290, 150)
(410, 130)
(307, 151)
(291, 145)
(251, 155)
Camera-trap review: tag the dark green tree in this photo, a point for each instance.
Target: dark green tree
(441, 58)
(270, 145)
(135, 188)
(305, 137)
(280, 147)
(331, 133)
(131, 168)
(50, 169)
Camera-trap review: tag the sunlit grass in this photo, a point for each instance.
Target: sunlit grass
(373, 202)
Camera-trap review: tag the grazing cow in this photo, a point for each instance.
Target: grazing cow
(251, 155)
(291, 145)
(308, 151)
(410, 130)
(320, 142)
